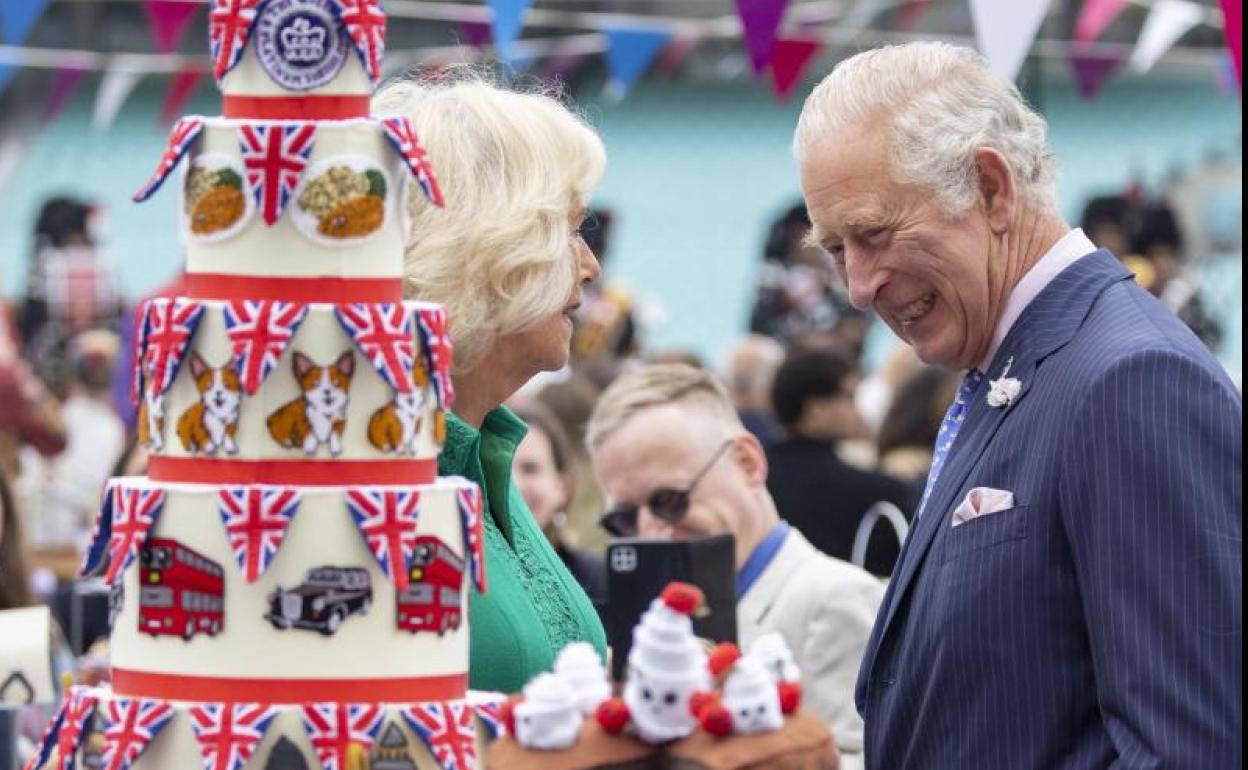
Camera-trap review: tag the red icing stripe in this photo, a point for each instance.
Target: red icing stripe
(288, 289)
(295, 107)
(144, 684)
(210, 470)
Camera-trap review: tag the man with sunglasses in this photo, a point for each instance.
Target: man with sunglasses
(675, 462)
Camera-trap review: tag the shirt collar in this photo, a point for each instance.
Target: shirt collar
(761, 557)
(1070, 248)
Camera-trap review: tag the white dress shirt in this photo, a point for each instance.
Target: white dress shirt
(1070, 248)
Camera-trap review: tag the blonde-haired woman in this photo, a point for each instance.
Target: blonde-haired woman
(506, 260)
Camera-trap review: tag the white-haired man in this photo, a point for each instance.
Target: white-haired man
(1070, 594)
(675, 462)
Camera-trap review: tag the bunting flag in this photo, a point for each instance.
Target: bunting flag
(1095, 17)
(130, 725)
(760, 22)
(385, 333)
(168, 20)
(260, 331)
(472, 519)
(228, 733)
(1005, 32)
(274, 156)
(333, 727)
(488, 707)
(63, 87)
(506, 23)
(169, 326)
(1168, 21)
(1233, 31)
(183, 135)
(101, 531)
(256, 519)
(80, 706)
(674, 56)
(50, 739)
(366, 24)
(118, 83)
(630, 51)
(386, 518)
(435, 346)
(474, 33)
(1093, 71)
(909, 15)
(789, 61)
(18, 18)
(181, 88)
(135, 509)
(402, 136)
(139, 314)
(229, 26)
(447, 729)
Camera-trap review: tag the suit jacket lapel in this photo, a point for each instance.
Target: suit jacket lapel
(1047, 324)
(763, 594)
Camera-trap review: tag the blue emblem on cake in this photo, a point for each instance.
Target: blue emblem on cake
(300, 43)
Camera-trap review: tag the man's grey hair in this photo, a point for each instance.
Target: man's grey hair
(938, 103)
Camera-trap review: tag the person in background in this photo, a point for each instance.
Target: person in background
(506, 259)
(62, 494)
(905, 439)
(821, 495)
(544, 474)
(30, 414)
(676, 463)
(752, 365)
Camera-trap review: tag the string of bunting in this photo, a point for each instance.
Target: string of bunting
(447, 729)
(256, 519)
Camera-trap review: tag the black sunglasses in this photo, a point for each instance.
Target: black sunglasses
(666, 503)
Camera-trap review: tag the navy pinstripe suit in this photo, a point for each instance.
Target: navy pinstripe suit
(1098, 623)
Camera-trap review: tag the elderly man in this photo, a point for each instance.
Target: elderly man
(675, 462)
(1070, 594)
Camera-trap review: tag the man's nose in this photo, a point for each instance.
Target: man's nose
(652, 527)
(863, 277)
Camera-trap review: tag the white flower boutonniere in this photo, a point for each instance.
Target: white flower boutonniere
(1003, 390)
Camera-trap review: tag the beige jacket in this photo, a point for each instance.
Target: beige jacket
(824, 608)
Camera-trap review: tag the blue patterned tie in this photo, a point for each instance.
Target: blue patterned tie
(949, 428)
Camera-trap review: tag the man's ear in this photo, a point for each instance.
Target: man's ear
(997, 188)
(750, 457)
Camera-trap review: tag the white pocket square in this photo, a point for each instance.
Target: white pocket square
(982, 501)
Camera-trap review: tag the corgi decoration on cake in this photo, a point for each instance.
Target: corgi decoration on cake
(151, 421)
(211, 422)
(319, 415)
(394, 427)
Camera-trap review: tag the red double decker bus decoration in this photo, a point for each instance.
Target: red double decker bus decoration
(433, 599)
(181, 592)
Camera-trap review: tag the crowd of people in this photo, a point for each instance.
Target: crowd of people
(816, 462)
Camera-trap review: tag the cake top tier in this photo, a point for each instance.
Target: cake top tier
(304, 59)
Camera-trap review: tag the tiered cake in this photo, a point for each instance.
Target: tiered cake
(291, 580)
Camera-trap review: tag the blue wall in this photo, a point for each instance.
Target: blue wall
(696, 172)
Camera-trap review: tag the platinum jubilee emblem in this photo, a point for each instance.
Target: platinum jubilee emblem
(300, 43)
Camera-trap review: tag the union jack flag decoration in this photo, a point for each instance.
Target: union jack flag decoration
(447, 729)
(79, 707)
(228, 733)
(184, 133)
(333, 727)
(50, 739)
(274, 157)
(488, 708)
(385, 333)
(366, 24)
(134, 513)
(468, 498)
(229, 26)
(260, 330)
(130, 725)
(140, 334)
(386, 519)
(168, 327)
(402, 136)
(435, 344)
(255, 520)
(101, 532)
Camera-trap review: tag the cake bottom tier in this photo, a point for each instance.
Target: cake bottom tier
(105, 731)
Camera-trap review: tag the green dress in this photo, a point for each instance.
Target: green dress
(532, 607)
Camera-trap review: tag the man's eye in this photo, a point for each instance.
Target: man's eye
(874, 235)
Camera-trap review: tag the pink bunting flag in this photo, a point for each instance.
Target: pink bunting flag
(789, 62)
(181, 89)
(1095, 17)
(1233, 30)
(1093, 71)
(168, 20)
(63, 88)
(673, 56)
(760, 21)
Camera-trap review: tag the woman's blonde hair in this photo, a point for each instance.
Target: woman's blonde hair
(511, 167)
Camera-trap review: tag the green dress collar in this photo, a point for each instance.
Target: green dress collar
(485, 456)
